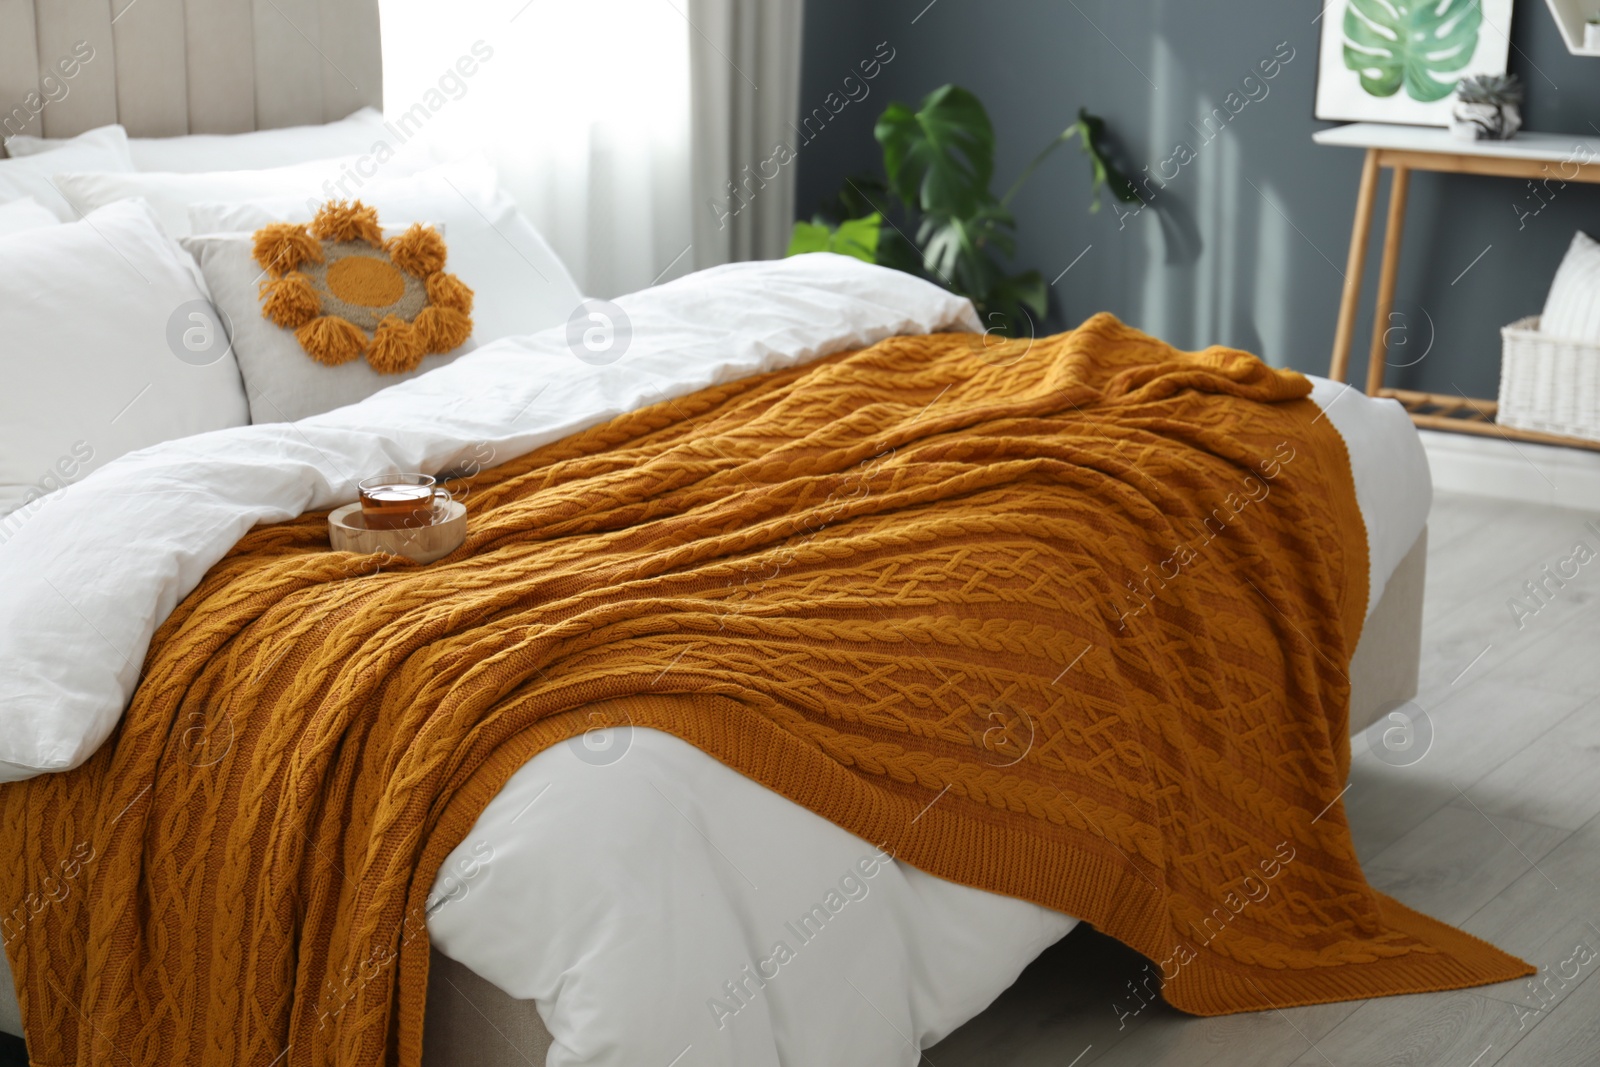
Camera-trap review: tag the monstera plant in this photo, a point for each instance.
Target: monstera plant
(1420, 44)
(939, 161)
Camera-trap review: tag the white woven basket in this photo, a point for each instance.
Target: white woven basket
(1550, 384)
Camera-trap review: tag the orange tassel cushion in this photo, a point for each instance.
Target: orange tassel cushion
(347, 292)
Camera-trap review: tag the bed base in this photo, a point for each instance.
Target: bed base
(1384, 668)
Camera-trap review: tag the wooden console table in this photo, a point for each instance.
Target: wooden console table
(1403, 149)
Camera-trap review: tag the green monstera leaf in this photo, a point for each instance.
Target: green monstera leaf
(941, 156)
(957, 250)
(853, 237)
(1421, 44)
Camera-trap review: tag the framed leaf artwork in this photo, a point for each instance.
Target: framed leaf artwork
(1400, 60)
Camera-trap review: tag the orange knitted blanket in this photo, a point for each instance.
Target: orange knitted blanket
(1067, 621)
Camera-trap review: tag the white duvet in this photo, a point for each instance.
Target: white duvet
(638, 890)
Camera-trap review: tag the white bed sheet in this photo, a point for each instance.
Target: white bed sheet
(620, 895)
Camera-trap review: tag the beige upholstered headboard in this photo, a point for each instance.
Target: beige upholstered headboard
(168, 67)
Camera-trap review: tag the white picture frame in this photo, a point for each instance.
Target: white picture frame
(1366, 27)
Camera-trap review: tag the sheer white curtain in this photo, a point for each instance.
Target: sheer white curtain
(585, 109)
(582, 107)
(745, 73)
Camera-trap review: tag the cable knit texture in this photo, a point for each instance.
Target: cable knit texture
(1068, 621)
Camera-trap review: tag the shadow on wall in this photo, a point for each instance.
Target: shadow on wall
(1220, 219)
(1244, 239)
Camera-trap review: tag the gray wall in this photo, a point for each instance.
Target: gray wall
(1247, 245)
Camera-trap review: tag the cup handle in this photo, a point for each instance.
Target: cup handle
(441, 502)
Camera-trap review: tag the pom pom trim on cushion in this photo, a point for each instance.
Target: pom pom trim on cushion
(282, 246)
(331, 340)
(419, 251)
(290, 301)
(447, 291)
(442, 328)
(340, 220)
(397, 346)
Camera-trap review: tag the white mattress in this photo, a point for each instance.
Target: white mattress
(1394, 487)
(620, 895)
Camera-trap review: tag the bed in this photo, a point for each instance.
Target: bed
(604, 967)
(644, 923)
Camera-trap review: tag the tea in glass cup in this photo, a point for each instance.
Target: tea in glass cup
(402, 501)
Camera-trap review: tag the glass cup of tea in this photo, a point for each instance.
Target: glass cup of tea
(402, 501)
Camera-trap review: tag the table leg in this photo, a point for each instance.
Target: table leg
(1355, 264)
(1393, 229)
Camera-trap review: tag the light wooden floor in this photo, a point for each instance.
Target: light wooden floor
(1496, 829)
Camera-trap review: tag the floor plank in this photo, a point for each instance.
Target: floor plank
(1478, 561)
(1472, 582)
(1555, 780)
(1259, 1039)
(1469, 741)
(1458, 860)
(1460, 1029)
(1549, 917)
(1469, 736)
(1570, 1037)
(1385, 803)
(1484, 637)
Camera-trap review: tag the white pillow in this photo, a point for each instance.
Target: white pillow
(1572, 308)
(170, 195)
(25, 214)
(522, 286)
(283, 383)
(239, 151)
(105, 149)
(109, 346)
